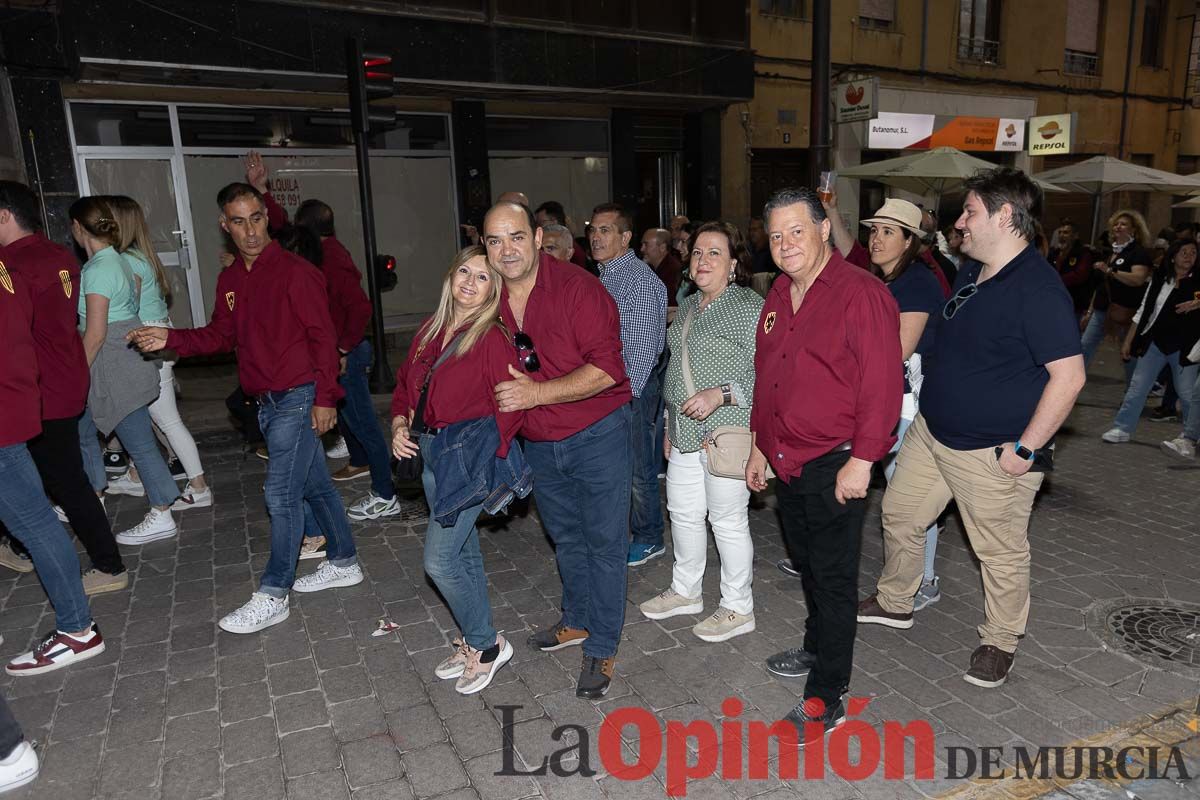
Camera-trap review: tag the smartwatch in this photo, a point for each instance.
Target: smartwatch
(1023, 452)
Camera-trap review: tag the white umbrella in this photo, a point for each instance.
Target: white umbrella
(940, 170)
(1101, 175)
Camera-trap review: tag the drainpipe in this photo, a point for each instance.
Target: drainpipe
(924, 32)
(1128, 71)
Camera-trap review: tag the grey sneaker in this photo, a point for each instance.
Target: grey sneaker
(13, 560)
(723, 624)
(670, 604)
(97, 582)
(329, 576)
(453, 666)
(1181, 447)
(477, 675)
(927, 595)
(794, 663)
(373, 507)
(262, 611)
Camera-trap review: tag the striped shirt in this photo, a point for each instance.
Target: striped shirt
(641, 300)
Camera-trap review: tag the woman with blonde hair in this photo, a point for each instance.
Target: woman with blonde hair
(1124, 270)
(449, 377)
(123, 384)
(135, 245)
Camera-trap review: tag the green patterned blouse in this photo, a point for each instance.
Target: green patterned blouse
(721, 350)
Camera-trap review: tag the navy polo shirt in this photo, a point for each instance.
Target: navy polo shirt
(917, 290)
(988, 368)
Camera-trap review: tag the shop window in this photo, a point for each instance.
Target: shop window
(979, 31)
(205, 126)
(784, 8)
(878, 15)
(1083, 36)
(118, 125)
(1153, 33)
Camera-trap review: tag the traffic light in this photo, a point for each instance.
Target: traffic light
(370, 78)
(385, 272)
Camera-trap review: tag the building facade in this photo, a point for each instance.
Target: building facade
(574, 101)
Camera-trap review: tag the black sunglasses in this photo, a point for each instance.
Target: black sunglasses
(522, 342)
(959, 300)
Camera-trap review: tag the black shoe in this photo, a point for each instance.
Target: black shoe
(785, 566)
(177, 470)
(806, 713)
(595, 676)
(115, 462)
(556, 638)
(989, 666)
(1163, 414)
(791, 663)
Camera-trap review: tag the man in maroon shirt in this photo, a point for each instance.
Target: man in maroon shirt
(271, 306)
(657, 252)
(567, 332)
(52, 274)
(826, 403)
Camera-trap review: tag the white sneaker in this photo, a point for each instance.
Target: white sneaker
(339, 449)
(329, 576)
(670, 603)
(723, 624)
(20, 768)
(193, 499)
(373, 507)
(1182, 447)
(156, 525)
(1115, 436)
(262, 611)
(124, 484)
(62, 515)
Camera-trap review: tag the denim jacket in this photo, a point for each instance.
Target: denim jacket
(468, 472)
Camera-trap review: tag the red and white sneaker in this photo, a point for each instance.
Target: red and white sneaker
(55, 651)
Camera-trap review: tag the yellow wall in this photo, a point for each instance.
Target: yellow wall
(1032, 41)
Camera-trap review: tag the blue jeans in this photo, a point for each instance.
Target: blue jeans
(26, 513)
(646, 517)
(1148, 368)
(582, 489)
(1093, 335)
(1191, 417)
(137, 436)
(931, 533)
(453, 560)
(297, 475)
(359, 424)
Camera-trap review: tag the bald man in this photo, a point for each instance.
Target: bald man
(520, 198)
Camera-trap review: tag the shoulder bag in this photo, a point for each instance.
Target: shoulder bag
(728, 447)
(408, 470)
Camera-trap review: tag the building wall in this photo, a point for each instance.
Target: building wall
(1027, 78)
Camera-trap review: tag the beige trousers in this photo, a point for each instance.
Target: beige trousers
(995, 509)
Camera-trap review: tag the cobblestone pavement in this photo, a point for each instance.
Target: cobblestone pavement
(318, 708)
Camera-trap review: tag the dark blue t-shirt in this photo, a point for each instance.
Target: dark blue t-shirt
(989, 360)
(918, 290)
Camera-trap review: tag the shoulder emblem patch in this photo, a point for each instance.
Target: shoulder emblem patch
(6, 279)
(769, 322)
(65, 278)
(229, 300)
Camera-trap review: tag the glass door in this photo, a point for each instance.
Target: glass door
(155, 182)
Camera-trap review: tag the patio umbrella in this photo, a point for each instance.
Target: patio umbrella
(1101, 175)
(940, 170)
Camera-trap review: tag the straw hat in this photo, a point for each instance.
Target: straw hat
(899, 213)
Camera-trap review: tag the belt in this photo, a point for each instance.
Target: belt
(841, 448)
(277, 394)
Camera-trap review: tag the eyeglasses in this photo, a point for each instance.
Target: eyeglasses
(959, 300)
(522, 342)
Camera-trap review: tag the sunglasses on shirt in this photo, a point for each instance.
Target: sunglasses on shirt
(959, 299)
(526, 351)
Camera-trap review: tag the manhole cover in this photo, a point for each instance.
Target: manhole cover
(411, 511)
(1156, 630)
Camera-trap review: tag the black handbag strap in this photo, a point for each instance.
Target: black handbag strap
(418, 424)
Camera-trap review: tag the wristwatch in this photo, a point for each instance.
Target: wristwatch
(1023, 451)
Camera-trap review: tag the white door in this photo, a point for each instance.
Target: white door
(155, 182)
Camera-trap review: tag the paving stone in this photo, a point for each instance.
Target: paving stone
(371, 760)
(249, 740)
(244, 702)
(255, 780)
(137, 724)
(389, 790)
(357, 719)
(74, 721)
(131, 768)
(293, 676)
(193, 775)
(296, 712)
(435, 770)
(308, 751)
(192, 732)
(190, 696)
(318, 786)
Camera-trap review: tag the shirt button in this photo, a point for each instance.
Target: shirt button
(779, 455)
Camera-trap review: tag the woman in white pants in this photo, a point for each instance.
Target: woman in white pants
(709, 383)
(137, 248)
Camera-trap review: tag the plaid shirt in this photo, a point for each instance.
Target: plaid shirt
(641, 300)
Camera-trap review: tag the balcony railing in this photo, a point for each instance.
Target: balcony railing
(1076, 62)
(984, 51)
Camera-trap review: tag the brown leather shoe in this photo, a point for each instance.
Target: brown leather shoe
(350, 472)
(871, 613)
(556, 638)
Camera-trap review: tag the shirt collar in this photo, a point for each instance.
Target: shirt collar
(26, 241)
(621, 261)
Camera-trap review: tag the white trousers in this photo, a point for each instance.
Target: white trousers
(692, 495)
(165, 414)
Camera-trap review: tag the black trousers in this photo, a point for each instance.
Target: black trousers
(824, 540)
(60, 464)
(10, 730)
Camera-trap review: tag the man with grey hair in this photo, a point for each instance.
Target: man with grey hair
(1009, 368)
(557, 241)
(826, 403)
(657, 253)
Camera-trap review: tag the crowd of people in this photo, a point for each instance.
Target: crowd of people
(573, 371)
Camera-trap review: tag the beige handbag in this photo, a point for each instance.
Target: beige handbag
(728, 447)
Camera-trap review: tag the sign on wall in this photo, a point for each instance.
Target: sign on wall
(925, 131)
(854, 101)
(1051, 135)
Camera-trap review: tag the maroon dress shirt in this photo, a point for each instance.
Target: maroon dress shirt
(22, 418)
